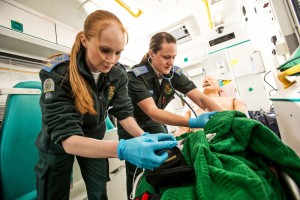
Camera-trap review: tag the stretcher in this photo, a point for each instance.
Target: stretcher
(233, 158)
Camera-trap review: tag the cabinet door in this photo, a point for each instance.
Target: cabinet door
(65, 36)
(240, 59)
(32, 24)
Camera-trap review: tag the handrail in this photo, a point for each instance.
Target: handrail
(4, 91)
(124, 5)
(208, 14)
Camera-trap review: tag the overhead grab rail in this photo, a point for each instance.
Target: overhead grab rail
(127, 7)
(208, 14)
(4, 91)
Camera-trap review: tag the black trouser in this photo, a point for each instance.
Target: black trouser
(131, 170)
(54, 176)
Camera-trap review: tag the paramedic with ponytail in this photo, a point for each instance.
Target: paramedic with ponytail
(77, 91)
(152, 85)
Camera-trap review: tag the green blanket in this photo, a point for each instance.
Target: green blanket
(294, 60)
(233, 163)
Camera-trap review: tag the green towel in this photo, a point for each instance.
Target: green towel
(294, 60)
(233, 164)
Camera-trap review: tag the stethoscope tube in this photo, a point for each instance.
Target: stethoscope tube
(169, 81)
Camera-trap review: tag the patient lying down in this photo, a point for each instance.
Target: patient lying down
(212, 89)
(225, 162)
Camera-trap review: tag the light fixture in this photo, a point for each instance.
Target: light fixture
(133, 10)
(88, 6)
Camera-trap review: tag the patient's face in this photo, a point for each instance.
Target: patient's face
(210, 84)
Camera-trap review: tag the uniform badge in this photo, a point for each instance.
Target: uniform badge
(48, 86)
(111, 92)
(168, 90)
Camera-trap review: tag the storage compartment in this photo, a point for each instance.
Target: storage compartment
(12, 17)
(65, 36)
(25, 32)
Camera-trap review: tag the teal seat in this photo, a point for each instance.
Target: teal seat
(18, 155)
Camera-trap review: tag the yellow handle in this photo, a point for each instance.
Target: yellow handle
(124, 5)
(282, 76)
(208, 14)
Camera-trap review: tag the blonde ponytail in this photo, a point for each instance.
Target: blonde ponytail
(81, 90)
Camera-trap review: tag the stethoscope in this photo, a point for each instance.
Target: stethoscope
(169, 81)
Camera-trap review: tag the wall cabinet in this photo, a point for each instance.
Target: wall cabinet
(26, 31)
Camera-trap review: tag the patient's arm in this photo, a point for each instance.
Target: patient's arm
(188, 114)
(181, 129)
(240, 105)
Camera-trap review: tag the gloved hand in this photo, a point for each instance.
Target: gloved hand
(140, 151)
(201, 120)
(160, 136)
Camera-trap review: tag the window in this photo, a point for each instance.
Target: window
(15, 69)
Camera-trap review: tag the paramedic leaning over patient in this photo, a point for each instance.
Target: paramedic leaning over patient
(150, 88)
(77, 92)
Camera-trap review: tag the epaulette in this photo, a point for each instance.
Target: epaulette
(140, 70)
(55, 61)
(126, 67)
(177, 70)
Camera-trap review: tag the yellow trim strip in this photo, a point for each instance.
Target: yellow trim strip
(124, 5)
(17, 70)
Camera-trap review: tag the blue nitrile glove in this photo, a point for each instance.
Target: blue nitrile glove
(160, 136)
(201, 120)
(140, 151)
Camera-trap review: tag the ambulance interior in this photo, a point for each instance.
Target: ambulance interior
(241, 43)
